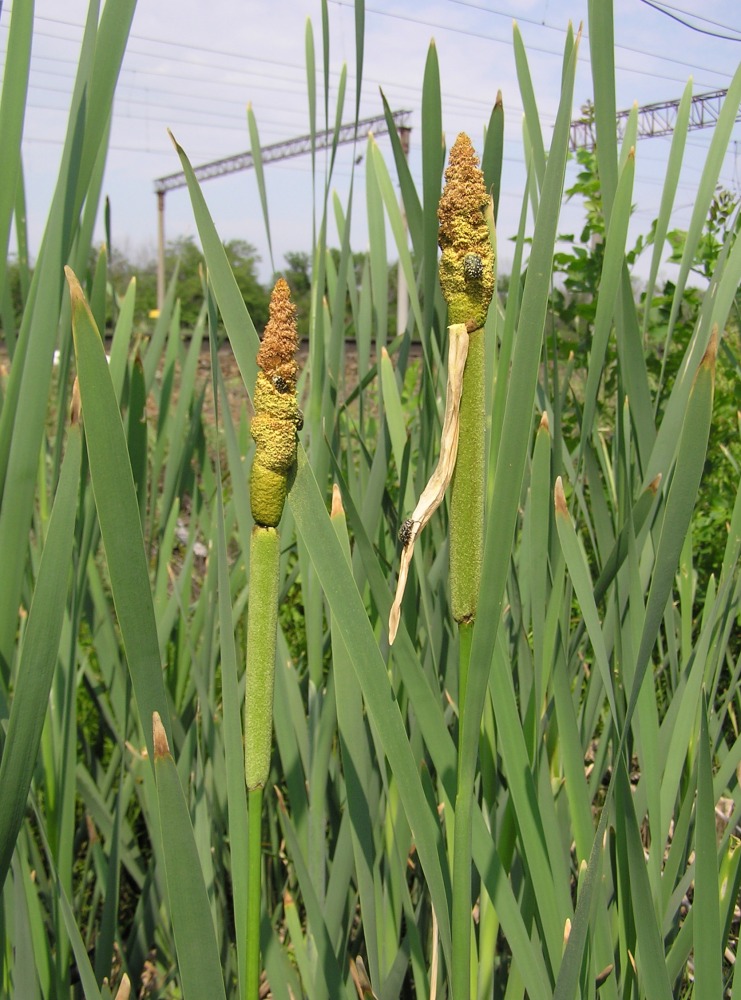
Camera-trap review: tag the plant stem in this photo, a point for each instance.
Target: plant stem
(254, 878)
(467, 279)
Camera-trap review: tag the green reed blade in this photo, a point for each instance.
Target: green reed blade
(528, 957)
(118, 514)
(708, 949)
(706, 189)
(433, 159)
(233, 740)
(328, 971)
(12, 112)
(609, 283)
(39, 653)
(493, 155)
(532, 118)
(652, 971)
(260, 176)
(409, 193)
(24, 409)
(199, 963)
(668, 193)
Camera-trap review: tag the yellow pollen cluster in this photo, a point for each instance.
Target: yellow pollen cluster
(467, 262)
(277, 416)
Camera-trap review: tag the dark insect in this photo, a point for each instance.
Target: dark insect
(405, 531)
(473, 267)
(300, 421)
(280, 383)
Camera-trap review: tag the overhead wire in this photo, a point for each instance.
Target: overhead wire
(666, 10)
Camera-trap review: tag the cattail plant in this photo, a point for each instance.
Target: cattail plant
(467, 279)
(274, 426)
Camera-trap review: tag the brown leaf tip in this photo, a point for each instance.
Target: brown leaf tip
(559, 498)
(337, 509)
(711, 351)
(75, 408)
(159, 737)
(545, 423)
(280, 340)
(75, 288)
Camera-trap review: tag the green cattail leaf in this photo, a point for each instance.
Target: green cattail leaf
(578, 568)
(137, 435)
(240, 328)
(668, 193)
(118, 514)
(358, 769)
(39, 653)
(233, 737)
(12, 110)
(610, 278)
(493, 155)
(708, 948)
(433, 159)
(328, 975)
(397, 227)
(260, 176)
(532, 118)
(23, 416)
(706, 189)
(409, 193)
(602, 58)
(350, 618)
(653, 974)
(199, 962)
(527, 957)
(680, 503)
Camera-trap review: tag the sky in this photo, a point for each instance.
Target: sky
(193, 67)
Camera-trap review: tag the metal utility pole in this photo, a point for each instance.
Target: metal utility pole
(654, 119)
(269, 154)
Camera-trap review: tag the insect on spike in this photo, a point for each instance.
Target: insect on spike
(405, 531)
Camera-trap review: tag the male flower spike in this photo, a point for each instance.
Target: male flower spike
(277, 416)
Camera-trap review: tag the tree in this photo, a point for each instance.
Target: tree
(243, 260)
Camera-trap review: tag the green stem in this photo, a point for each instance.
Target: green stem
(465, 638)
(254, 877)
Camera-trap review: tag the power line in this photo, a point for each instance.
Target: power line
(666, 10)
(493, 38)
(698, 17)
(618, 45)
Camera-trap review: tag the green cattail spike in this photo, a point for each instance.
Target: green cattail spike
(467, 280)
(277, 416)
(262, 623)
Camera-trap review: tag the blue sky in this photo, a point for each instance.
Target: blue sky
(193, 67)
